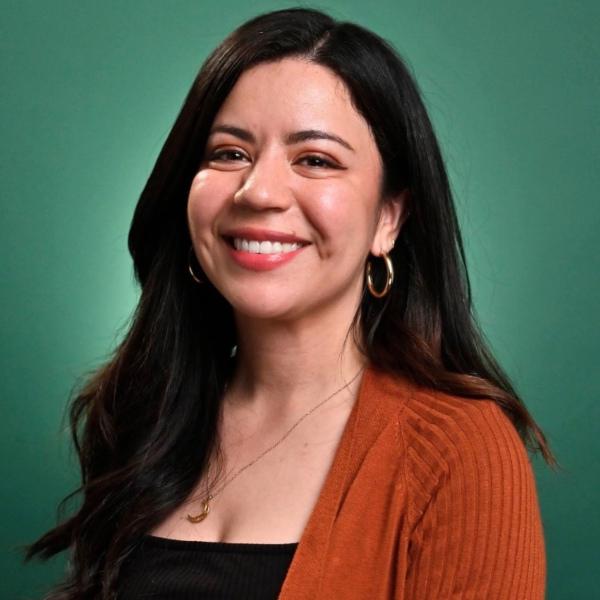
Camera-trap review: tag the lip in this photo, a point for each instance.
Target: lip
(261, 262)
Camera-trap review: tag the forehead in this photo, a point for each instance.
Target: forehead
(293, 94)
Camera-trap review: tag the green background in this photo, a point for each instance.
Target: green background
(90, 91)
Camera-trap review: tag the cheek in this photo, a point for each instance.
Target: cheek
(205, 202)
(341, 212)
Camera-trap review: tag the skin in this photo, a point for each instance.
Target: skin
(292, 321)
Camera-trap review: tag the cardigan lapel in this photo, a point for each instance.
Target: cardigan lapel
(369, 415)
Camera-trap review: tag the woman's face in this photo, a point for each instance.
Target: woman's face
(286, 205)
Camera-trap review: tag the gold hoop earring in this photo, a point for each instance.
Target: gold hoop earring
(389, 267)
(194, 277)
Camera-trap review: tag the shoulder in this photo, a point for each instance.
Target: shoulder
(445, 437)
(465, 445)
(433, 419)
(456, 425)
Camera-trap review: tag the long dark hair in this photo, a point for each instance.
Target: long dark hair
(145, 423)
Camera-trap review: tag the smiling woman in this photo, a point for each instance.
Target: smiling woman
(304, 406)
(307, 174)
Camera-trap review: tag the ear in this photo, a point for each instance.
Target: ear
(393, 214)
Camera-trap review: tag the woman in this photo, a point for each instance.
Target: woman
(303, 406)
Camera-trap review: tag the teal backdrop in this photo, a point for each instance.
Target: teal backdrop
(90, 90)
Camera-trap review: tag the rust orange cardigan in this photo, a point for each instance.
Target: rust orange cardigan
(429, 496)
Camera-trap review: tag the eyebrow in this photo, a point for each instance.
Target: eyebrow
(292, 138)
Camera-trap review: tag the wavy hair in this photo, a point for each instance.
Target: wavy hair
(145, 423)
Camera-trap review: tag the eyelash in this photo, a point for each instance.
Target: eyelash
(326, 164)
(222, 154)
(226, 155)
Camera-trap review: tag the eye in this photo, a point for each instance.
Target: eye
(227, 155)
(318, 162)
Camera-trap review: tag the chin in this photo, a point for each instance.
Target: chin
(266, 311)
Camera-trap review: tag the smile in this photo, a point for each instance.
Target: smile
(264, 246)
(263, 255)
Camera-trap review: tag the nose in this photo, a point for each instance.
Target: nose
(265, 185)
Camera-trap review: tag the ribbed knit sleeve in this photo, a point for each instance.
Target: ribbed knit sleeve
(476, 530)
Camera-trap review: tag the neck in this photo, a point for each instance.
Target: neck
(283, 368)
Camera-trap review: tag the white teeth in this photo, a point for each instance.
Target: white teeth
(266, 247)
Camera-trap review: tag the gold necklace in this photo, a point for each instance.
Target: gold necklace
(206, 502)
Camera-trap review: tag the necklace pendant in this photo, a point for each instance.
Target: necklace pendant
(200, 516)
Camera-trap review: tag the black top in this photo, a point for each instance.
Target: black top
(165, 569)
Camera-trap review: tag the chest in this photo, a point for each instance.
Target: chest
(265, 491)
